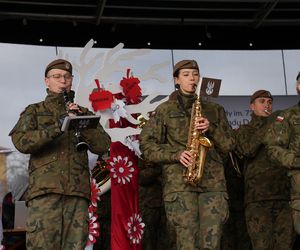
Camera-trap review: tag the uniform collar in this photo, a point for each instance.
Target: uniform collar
(258, 120)
(57, 99)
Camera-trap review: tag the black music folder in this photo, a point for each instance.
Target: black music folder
(80, 122)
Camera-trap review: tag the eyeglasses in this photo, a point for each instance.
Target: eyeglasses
(67, 77)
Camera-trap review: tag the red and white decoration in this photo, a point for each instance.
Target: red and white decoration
(127, 227)
(93, 223)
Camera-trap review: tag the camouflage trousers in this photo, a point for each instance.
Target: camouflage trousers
(197, 218)
(270, 225)
(57, 222)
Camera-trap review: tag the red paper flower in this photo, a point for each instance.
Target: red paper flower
(93, 224)
(135, 228)
(95, 192)
(93, 227)
(121, 169)
(131, 88)
(101, 99)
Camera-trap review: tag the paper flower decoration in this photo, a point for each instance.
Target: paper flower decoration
(101, 99)
(135, 228)
(95, 192)
(131, 88)
(93, 228)
(121, 169)
(93, 224)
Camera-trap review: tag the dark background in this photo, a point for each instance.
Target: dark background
(166, 24)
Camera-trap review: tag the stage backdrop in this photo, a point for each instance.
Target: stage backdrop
(242, 72)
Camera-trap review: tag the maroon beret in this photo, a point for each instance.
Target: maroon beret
(260, 93)
(59, 64)
(185, 64)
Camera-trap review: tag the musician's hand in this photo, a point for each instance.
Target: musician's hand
(202, 124)
(185, 158)
(73, 109)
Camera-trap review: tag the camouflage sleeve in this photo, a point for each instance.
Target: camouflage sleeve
(276, 141)
(222, 133)
(26, 136)
(248, 141)
(97, 139)
(152, 142)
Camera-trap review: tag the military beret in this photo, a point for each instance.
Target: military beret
(260, 93)
(185, 64)
(59, 64)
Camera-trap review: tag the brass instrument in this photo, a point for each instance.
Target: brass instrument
(142, 121)
(197, 145)
(100, 172)
(80, 143)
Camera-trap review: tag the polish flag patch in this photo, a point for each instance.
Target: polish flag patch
(279, 118)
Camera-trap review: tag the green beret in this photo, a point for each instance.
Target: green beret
(260, 93)
(59, 64)
(185, 64)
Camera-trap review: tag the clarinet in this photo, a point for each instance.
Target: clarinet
(81, 145)
(68, 101)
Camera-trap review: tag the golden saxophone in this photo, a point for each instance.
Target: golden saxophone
(197, 145)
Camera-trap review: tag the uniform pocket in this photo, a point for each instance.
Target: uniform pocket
(170, 197)
(40, 161)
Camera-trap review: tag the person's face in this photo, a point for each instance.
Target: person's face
(262, 106)
(58, 80)
(188, 80)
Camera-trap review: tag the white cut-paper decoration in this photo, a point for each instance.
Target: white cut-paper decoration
(118, 110)
(134, 145)
(108, 63)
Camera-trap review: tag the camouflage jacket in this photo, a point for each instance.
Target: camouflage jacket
(166, 134)
(55, 165)
(263, 179)
(283, 145)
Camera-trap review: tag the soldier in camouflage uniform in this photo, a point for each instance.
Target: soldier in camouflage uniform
(268, 215)
(283, 146)
(197, 213)
(59, 178)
